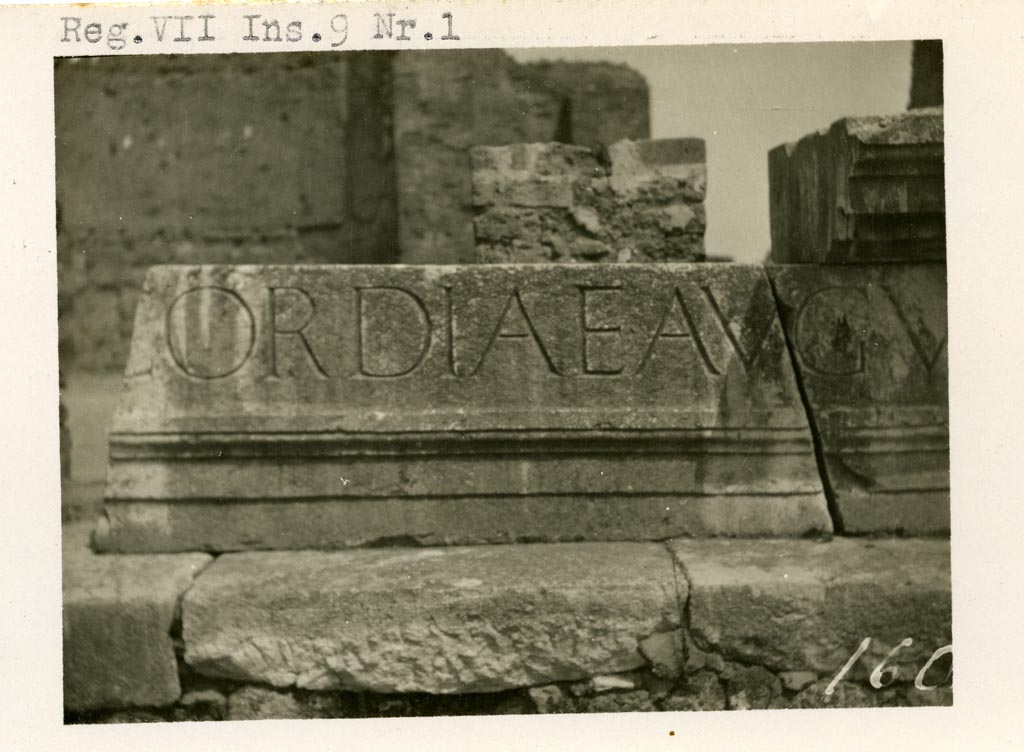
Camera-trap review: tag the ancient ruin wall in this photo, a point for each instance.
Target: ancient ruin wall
(212, 159)
(290, 158)
(447, 102)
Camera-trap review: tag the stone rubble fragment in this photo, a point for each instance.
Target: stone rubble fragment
(551, 202)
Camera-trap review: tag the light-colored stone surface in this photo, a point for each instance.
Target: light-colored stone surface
(347, 405)
(118, 613)
(549, 699)
(665, 652)
(452, 620)
(806, 606)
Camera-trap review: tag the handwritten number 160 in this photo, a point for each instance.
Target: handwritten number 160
(881, 670)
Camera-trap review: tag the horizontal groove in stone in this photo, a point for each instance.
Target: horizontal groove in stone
(212, 525)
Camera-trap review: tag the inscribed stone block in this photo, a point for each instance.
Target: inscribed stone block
(327, 407)
(869, 343)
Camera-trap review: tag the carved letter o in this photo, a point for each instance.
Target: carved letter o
(211, 332)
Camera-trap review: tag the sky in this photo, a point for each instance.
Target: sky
(743, 100)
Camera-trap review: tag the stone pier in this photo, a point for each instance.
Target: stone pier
(866, 190)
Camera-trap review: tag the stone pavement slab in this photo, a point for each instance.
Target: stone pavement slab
(454, 620)
(807, 605)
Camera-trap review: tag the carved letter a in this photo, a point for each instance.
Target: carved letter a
(687, 331)
(530, 333)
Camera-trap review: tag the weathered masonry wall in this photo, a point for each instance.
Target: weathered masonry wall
(289, 158)
(447, 102)
(269, 158)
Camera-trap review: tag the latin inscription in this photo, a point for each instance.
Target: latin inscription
(926, 343)
(392, 331)
(596, 333)
(834, 330)
(211, 332)
(304, 303)
(515, 324)
(385, 305)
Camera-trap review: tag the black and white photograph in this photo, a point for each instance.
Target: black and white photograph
(403, 372)
(438, 391)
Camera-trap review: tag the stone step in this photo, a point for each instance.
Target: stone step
(470, 620)
(119, 612)
(443, 621)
